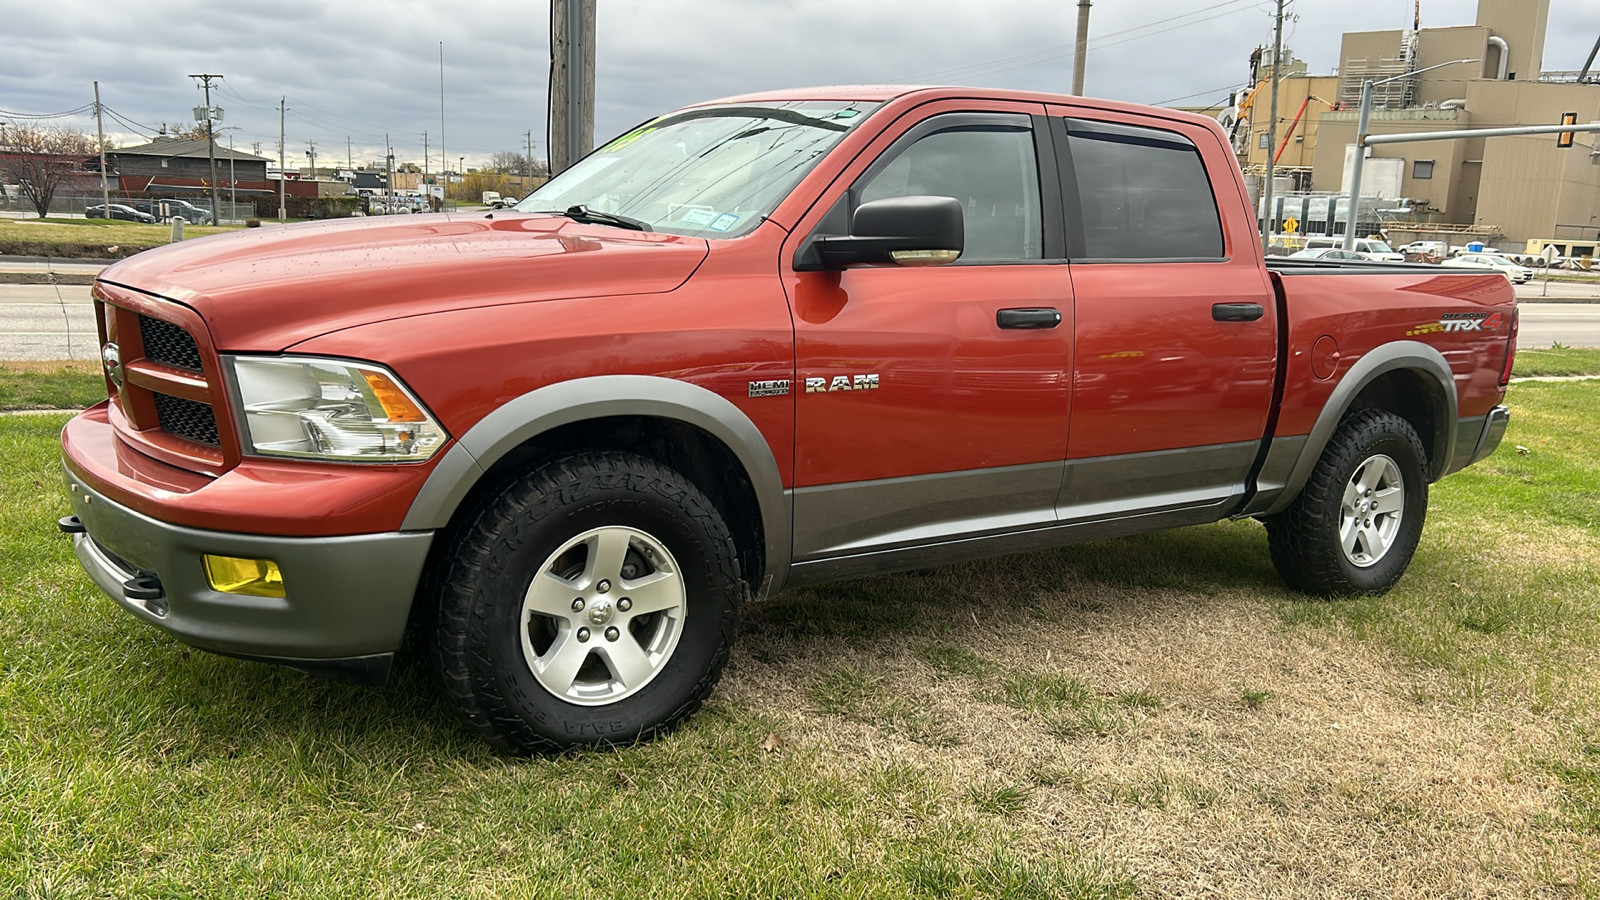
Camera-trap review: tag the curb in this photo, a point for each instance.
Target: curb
(48, 277)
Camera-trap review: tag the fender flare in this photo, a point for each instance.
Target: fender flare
(536, 412)
(1413, 355)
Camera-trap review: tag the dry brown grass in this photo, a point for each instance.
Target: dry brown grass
(1225, 753)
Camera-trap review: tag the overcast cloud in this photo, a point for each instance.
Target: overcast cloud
(359, 68)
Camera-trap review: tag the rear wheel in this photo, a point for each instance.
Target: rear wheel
(1355, 525)
(593, 602)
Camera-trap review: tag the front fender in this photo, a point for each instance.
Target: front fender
(538, 411)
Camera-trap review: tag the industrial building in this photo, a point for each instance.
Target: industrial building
(1514, 192)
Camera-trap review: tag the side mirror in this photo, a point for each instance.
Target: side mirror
(901, 231)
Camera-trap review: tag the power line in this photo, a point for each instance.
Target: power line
(87, 107)
(1095, 43)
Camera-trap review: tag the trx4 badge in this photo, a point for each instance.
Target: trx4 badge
(867, 382)
(1461, 321)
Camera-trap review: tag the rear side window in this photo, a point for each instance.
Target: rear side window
(1144, 194)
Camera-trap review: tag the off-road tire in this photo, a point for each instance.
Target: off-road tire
(1305, 538)
(486, 573)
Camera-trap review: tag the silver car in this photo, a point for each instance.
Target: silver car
(1517, 274)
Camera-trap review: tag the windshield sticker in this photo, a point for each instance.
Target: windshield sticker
(723, 222)
(628, 138)
(698, 216)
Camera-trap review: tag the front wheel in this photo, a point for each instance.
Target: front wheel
(1355, 525)
(592, 602)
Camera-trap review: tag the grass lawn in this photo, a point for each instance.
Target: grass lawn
(89, 238)
(1557, 361)
(58, 384)
(1155, 716)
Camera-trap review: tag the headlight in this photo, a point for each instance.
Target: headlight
(330, 409)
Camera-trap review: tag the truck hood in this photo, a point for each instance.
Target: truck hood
(272, 287)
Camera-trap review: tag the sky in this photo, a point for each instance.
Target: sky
(357, 70)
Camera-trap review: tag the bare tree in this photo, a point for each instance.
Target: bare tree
(40, 160)
(508, 162)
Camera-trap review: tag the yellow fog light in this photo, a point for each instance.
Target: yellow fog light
(253, 577)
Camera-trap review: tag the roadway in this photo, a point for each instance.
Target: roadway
(45, 321)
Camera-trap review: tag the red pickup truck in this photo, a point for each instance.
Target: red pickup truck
(760, 342)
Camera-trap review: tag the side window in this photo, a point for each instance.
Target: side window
(991, 170)
(1144, 193)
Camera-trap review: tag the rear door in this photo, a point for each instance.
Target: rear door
(1176, 327)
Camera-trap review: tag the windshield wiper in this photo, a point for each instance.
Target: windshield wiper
(581, 213)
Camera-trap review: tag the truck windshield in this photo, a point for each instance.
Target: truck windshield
(711, 172)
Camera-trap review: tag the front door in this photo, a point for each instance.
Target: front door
(923, 411)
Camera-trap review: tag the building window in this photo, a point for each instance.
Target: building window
(1422, 168)
(1264, 142)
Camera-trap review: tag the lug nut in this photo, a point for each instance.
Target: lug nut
(583, 635)
(603, 586)
(625, 604)
(612, 633)
(577, 604)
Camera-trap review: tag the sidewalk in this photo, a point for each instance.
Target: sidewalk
(39, 270)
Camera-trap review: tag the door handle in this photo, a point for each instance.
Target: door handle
(1037, 317)
(1237, 312)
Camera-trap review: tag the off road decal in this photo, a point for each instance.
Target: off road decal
(1459, 321)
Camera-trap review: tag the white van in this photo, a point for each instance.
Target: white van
(1372, 247)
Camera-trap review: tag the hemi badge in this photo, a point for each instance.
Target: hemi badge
(776, 388)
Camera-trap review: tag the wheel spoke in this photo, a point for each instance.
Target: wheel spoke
(1371, 473)
(1352, 494)
(1350, 530)
(1372, 541)
(559, 666)
(655, 592)
(606, 552)
(628, 662)
(1389, 500)
(550, 595)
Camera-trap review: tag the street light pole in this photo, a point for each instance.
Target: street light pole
(1362, 122)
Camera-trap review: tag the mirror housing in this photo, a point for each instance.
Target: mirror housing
(898, 231)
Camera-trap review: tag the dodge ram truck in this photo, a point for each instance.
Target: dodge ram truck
(760, 342)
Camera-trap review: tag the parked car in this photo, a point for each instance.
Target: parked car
(875, 329)
(118, 211)
(1372, 247)
(1331, 253)
(1517, 274)
(1427, 248)
(165, 208)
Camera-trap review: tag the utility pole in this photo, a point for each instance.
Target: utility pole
(1080, 56)
(233, 185)
(349, 157)
(281, 161)
(1272, 131)
(572, 25)
(100, 138)
(388, 169)
(528, 185)
(426, 188)
(211, 143)
(311, 151)
(444, 167)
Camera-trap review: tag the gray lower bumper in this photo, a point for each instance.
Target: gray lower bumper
(1477, 437)
(347, 598)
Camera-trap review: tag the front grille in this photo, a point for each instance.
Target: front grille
(187, 419)
(167, 343)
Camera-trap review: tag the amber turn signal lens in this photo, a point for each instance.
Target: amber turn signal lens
(251, 577)
(395, 402)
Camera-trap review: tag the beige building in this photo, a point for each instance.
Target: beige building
(1507, 190)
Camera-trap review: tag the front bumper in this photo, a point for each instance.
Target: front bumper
(347, 598)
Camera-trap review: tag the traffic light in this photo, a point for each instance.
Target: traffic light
(1564, 139)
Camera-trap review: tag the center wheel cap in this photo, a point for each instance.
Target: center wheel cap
(600, 611)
